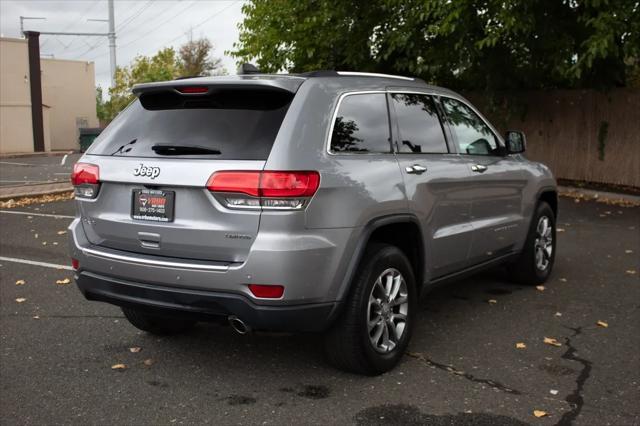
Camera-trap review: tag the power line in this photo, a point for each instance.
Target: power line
(92, 6)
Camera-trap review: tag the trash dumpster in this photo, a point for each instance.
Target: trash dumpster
(87, 136)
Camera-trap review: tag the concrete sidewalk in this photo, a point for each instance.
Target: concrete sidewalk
(35, 174)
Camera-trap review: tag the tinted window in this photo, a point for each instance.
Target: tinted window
(362, 124)
(241, 125)
(419, 125)
(473, 136)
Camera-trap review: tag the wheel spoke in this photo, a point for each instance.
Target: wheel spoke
(385, 336)
(397, 281)
(376, 335)
(373, 323)
(400, 317)
(399, 301)
(388, 285)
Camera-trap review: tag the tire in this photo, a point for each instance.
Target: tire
(348, 344)
(528, 269)
(157, 324)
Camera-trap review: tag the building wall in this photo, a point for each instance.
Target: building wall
(16, 133)
(68, 87)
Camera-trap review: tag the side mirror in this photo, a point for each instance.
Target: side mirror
(516, 142)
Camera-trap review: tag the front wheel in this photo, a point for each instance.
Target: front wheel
(374, 330)
(535, 263)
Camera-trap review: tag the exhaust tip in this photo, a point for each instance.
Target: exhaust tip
(238, 325)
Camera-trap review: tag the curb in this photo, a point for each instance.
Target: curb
(595, 194)
(31, 190)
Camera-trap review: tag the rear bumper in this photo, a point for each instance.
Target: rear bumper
(205, 305)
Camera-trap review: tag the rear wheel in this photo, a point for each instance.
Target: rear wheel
(374, 330)
(538, 255)
(157, 324)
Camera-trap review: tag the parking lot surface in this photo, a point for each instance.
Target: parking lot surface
(34, 170)
(462, 367)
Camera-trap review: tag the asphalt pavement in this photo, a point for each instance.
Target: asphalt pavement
(463, 366)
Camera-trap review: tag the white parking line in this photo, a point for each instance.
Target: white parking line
(15, 164)
(35, 263)
(57, 216)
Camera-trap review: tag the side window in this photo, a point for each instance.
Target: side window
(419, 125)
(472, 134)
(362, 124)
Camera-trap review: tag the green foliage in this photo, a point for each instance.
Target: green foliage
(466, 44)
(194, 57)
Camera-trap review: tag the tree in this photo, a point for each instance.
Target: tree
(465, 44)
(164, 65)
(196, 60)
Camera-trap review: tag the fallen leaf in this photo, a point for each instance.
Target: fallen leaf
(36, 317)
(44, 243)
(63, 282)
(135, 349)
(118, 367)
(148, 362)
(35, 235)
(21, 300)
(551, 341)
(492, 301)
(564, 280)
(631, 271)
(539, 413)
(61, 232)
(553, 392)
(540, 287)
(520, 345)
(628, 251)
(21, 282)
(558, 314)
(559, 229)
(55, 243)
(602, 324)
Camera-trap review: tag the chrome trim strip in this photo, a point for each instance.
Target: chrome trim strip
(146, 261)
(373, 74)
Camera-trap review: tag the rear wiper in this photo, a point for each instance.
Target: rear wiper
(166, 149)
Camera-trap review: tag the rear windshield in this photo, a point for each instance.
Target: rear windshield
(227, 125)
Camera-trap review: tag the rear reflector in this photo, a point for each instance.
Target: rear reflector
(269, 184)
(267, 291)
(75, 264)
(192, 89)
(85, 173)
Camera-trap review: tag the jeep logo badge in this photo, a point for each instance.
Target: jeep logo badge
(143, 170)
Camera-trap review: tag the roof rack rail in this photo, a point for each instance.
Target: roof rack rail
(372, 74)
(320, 73)
(186, 77)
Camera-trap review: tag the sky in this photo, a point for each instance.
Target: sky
(142, 27)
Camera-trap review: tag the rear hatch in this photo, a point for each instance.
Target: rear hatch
(154, 160)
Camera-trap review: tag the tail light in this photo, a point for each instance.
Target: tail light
(75, 264)
(285, 190)
(86, 180)
(267, 291)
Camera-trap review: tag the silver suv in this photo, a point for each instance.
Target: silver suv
(324, 202)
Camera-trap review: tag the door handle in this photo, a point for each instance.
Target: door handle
(479, 168)
(416, 169)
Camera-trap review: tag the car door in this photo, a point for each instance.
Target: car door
(435, 181)
(496, 184)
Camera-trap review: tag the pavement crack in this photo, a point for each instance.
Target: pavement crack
(452, 370)
(575, 399)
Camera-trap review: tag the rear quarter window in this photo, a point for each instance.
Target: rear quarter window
(239, 124)
(361, 125)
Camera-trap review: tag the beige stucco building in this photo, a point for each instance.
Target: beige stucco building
(68, 100)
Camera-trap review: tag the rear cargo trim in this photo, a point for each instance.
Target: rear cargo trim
(155, 262)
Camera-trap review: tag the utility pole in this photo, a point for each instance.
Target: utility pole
(112, 43)
(111, 35)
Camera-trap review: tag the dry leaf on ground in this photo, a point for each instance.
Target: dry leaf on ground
(36, 317)
(564, 280)
(118, 367)
(602, 324)
(21, 282)
(551, 341)
(540, 287)
(21, 299)
(559, 229)
(25, 201)
(492, 301)
(149, 362)
(539, 413)
(135, 349)
(520, 345)
(62, 232)
(553, 392)
(558, 314)
(628, 251)
(631, 271)
(63, 282)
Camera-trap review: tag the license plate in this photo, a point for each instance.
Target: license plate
(153, 204)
